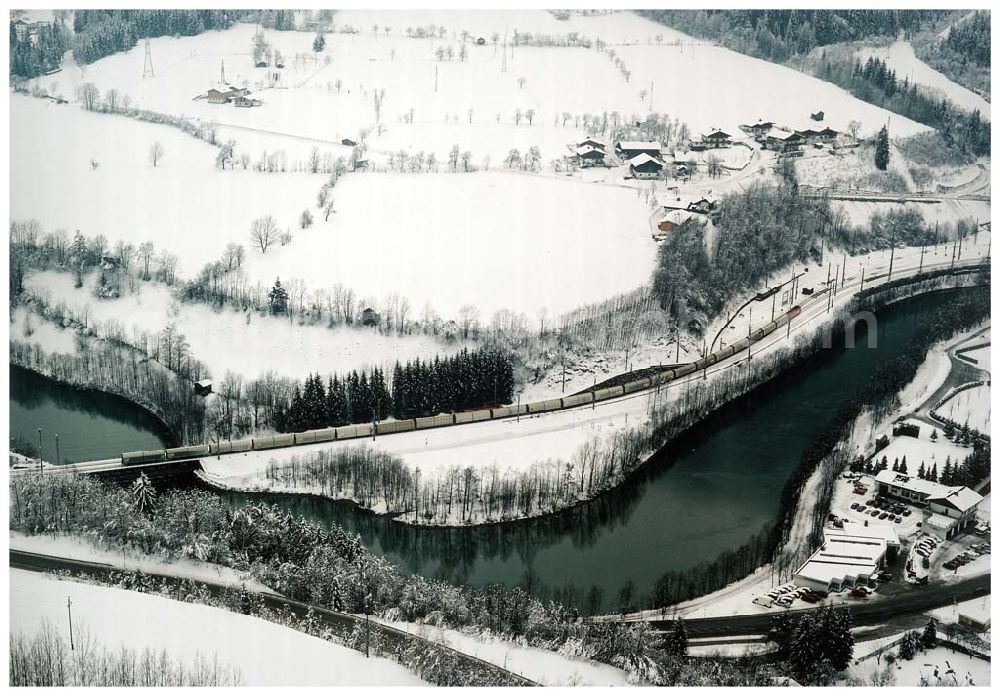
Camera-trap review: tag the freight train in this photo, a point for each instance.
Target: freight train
(324, 435)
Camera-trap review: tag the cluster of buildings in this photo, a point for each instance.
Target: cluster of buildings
(853, 555)
(643, 158)
(790, 141)
(948, 510)
(237, 96)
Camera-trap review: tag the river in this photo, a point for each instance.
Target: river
(700, 496)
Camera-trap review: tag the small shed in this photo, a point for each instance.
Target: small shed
(246, 101)
(370, 318)
(975, 618)
(481, 41)
(673, 220)
(348, 142)
(818, 116)
(203, 387)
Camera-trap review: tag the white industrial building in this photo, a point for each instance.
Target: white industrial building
(847, 558)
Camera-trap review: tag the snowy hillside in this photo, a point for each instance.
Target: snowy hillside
(265, 653)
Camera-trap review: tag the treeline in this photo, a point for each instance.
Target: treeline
(964, 55)
(353, 399)
(36, 50)
(874, 82)
(100, 33)
(778, 35)
(331, 568)
(466, 380)
(760, 230)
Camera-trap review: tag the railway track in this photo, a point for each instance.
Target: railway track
(767, 336)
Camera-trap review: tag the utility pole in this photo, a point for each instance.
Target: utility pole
(892, 254)
(147, 68)
(519, 409)
(435, 77)
(57, 450)
(774, 299)
(69, 611)
(749, 332)
(862, 279)
(650, 96)
(843, 272)
(40, 465)
(922, 248)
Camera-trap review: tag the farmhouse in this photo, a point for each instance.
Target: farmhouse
(628, 149)
(370, 318)
(245, 100)
(203, 387)
(947, 509)
(716, 139)
(818, 135)
(818, 116)
(757, 130)
(782, 141)
(645, 166)
(673, 220)
(348, 142)
(589, 156)
(701, 205)
(594, 143)
(223, 95)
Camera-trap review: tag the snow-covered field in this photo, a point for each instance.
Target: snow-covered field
(265, 653)
(492, 239)
(951, 667)
(227, 340)
(899, 56)
(970, 406)
(710, 86)
(544, 667)
(923, 449)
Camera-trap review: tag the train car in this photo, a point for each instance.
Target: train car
(635, 385)
(511, 410)
(142, 457)
(544, 405)
(324, 435)
(435, 421)
(384, 427)
(575, 400)
(186, 451)
(280, 440)
(685, 369)
(236, 446)
(769, 327)
(726, 352)
(305, 437)
(795, 311)
(609, 393)
(740, 345)
(355, 431)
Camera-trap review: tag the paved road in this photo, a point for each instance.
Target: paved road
(910, 600)
(338, 621)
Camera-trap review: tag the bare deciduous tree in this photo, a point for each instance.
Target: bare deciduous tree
(155, 153)
(264, 232)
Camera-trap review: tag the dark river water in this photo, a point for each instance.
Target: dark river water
(700, 496)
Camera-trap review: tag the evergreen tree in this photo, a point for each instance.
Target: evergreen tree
(278, 298)
(882, 149)
(143, 495)
(908, 646)
(921, 472)
(902, 465)
(677, 643)
(319, 43)
(934, 473)
(928, 639)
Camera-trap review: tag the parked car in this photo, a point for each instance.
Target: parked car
(870, 502)
(907, 512)
(862, 509)
(854, 506)
(859, 592)
(783, 601)
(898, 519)
(875, 513)
(811, 598)
(883, 516)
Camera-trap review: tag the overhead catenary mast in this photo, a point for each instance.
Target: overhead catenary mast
(147, 68)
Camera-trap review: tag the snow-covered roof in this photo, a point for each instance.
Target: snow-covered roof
(639, 145)
(938, 521)
(715, 134)
(677, 217)
(911, 483)
(961, 498)
(781, 134)
(843, 557)
(204, 382)
(886, 533)
(643, 158)
(587, 149)
(596, 141)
